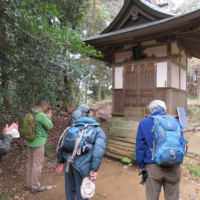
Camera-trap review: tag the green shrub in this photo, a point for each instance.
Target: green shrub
(190, 111)
(195, 171)
(126, 160)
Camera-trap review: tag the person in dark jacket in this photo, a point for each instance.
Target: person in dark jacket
(83, 165)
(5, 141)
(158, 176)
(81, 111)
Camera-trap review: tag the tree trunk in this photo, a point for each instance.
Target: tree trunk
(67, 83)
(72, 95)
(5, 70)
(77, 91)
(93, 19)
(99, 85)
(86, 94)
(198, 84)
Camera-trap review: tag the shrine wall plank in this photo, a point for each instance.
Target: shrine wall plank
(118, 102)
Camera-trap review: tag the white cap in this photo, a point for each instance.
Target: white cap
(156, 105)
(87, 188)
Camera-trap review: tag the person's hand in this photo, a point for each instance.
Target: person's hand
(49, 113)
(60, 168)
(8, 129)
(93, 176)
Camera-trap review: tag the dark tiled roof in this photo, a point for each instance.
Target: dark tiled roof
(144, 5)
(156, 8)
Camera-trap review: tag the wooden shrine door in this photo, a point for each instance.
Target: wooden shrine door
(139, 86)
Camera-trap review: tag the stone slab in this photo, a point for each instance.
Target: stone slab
(134, 114)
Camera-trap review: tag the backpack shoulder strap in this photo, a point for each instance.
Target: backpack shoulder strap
(61, 139)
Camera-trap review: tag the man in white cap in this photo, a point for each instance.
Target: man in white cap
(158, 176)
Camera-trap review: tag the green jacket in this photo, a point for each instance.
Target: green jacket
(43, 125)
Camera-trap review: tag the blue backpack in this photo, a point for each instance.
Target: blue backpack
(169, 143)
(76, 139)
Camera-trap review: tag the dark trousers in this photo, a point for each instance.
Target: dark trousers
(73, 181)
(158, 178)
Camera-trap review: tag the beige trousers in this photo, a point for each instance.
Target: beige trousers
(157, 178)
(34, 168)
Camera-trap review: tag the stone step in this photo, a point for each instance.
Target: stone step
(119, 147)
(126, 139)
(118, 157)
(120, 143)
(123, 123)
(123, 132)
(120, 152)
(112, 155)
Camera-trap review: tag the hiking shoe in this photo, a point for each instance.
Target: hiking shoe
(40, 189)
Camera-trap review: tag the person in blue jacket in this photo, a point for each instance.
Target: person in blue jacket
(84, 165)
(158, 176)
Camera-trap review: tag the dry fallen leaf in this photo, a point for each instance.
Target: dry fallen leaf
(50, 187)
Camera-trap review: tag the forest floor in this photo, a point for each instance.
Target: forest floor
(115, 180)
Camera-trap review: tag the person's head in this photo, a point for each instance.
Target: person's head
(157, 105)
(93, 112)
(43, 104)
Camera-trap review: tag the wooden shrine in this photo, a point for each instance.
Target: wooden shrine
(147, 48)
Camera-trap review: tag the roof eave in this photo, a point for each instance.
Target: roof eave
(144, 30)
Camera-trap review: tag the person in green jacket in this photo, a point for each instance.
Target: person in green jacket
(36, 147)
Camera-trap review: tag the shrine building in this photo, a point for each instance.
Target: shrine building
(147, 47)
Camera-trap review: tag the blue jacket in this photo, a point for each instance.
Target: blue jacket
(144, 140)
(90, 161)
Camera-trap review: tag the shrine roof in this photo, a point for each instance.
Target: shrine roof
(162, 24)
(140, 20)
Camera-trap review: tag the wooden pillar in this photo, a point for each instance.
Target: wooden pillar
(169, 65)
(113, 82)
(155, 80)
(169, 74)
(139, 85)
(123, 89)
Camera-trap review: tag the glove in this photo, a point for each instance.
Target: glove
(60, 168)
(93, 176)
(144, 174)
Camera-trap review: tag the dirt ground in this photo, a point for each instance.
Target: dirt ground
(114, 183)
(193, 140)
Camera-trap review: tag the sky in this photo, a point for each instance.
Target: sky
(177, 2)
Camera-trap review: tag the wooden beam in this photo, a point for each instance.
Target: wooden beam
(146, 60)
(183, 48)
(179, 64)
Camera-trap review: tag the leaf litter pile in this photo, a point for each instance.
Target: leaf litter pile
(15, 162)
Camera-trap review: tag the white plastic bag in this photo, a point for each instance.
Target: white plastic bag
(14, 133)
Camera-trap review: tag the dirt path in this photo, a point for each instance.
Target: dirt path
(114, 183)
(193, 141)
